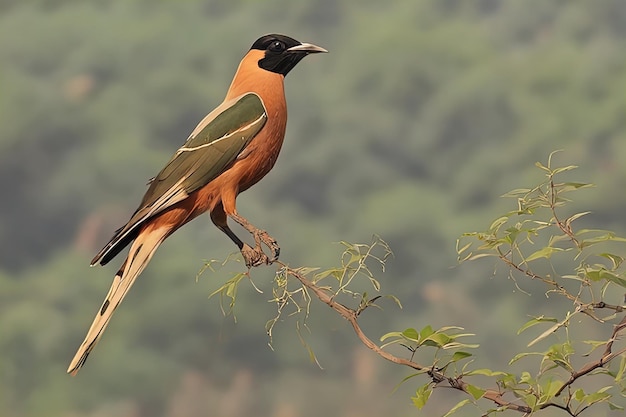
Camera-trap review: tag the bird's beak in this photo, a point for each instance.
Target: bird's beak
(307, 48)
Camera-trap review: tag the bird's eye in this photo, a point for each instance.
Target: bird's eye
(277, 46)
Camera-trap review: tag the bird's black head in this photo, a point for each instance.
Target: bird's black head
(282, 53)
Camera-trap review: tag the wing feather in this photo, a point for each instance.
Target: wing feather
(212, 146)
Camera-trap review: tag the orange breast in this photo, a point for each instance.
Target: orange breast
(258, 157)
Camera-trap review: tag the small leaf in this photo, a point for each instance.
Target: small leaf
(390, 335)
(426, 331)
(576, 216)
(615, 259)
(536, 320)
(549, 388)
(563, 169)
(497, 223)
(594, 345)
(410, 334)
(596, 397)
(543, 253)
(394, 299)
(475, 392)
(554, 328)
(486, 372)
(375, 284)
(523, 355)
(609, 276)
(517, 192)
(437, 339)
(460, 355)
(406, 378)
(421, 396)
(456, 407)
(569, 186)
(541, 166)
(463, 249)
(530, 400)
(579, 394)
(526, 378)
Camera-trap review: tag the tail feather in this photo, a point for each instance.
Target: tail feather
(140, 253)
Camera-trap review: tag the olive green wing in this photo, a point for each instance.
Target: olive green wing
(213, 145)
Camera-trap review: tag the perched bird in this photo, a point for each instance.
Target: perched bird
(229, 151)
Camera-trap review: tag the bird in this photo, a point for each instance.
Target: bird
(229, 151)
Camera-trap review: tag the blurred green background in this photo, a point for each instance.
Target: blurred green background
(421, 116)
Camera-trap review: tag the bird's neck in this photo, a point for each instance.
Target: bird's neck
(251, 78)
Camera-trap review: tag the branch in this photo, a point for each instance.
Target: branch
(607, 356)
(351, 316)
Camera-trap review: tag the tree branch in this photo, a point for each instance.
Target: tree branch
(607, 356)
(351, 316)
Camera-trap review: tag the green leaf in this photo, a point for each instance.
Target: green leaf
(437, 339)
(390, 335)
(456, 407)
(426, 331)
(530, 400)
(576, 216)
(597, 396)
(394, 299)
(486, 372)
(523, 355)
(229, 288)
(411, 334)
(594, 345)
(421, 396)
(549, 388)
(526, 378)
(599, 274)
(406, 378)
(497, 223)
(475, 392)
(604, 237)
(543, 253)
(559, 354)
(536, 320)
(542, 167)
(460, 355)
(579, 394)
(609, 276)
(554, 328)
(615, 259)
(517, 192)
(563, 169)
(569, 186)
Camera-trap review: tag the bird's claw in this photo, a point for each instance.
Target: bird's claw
(271, 243)
(254, 257)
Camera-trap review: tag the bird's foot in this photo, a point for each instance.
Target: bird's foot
(254, 257)
(270, 242)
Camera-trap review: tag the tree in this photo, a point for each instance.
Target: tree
(580, 270)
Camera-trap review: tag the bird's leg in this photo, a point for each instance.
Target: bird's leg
(260, 236)
(252, 257)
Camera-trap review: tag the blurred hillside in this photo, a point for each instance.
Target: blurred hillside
(422, 115)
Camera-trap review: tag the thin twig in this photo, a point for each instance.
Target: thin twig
(607, 357)
(352, 317)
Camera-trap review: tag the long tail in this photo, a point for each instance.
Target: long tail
(139, 255)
